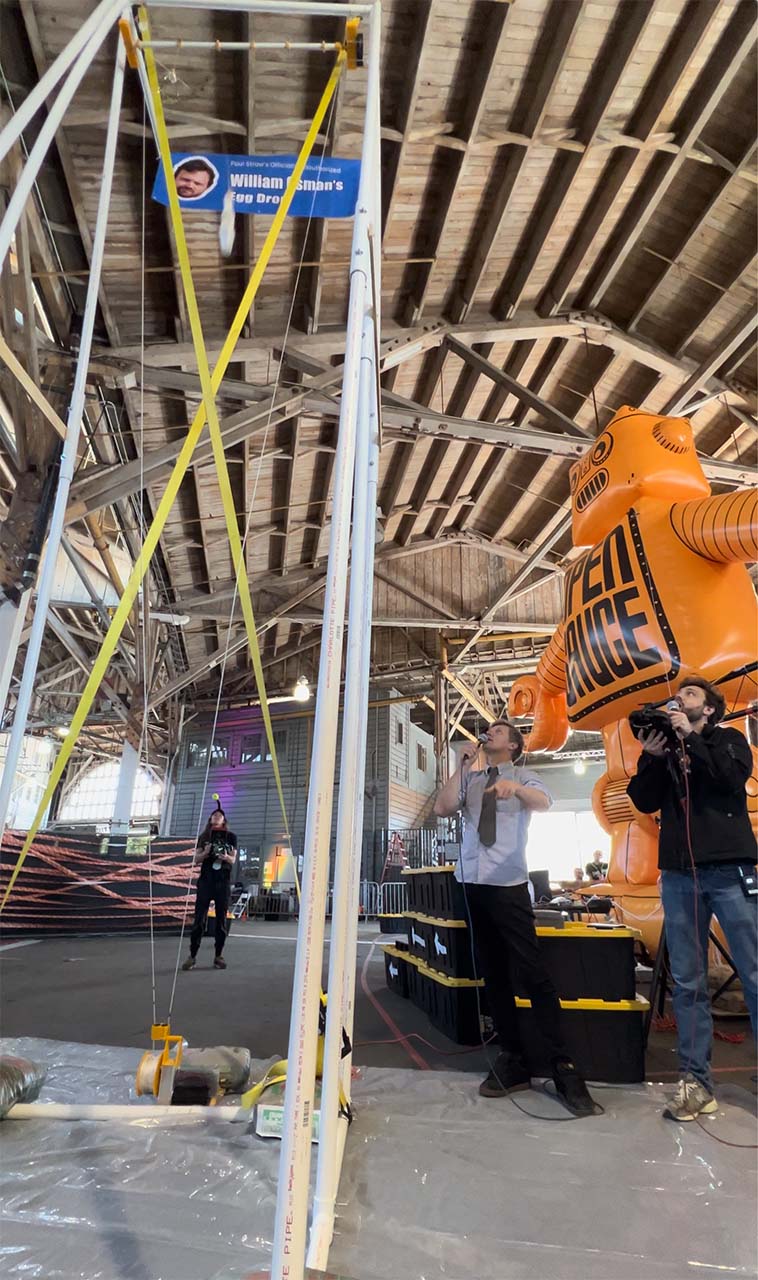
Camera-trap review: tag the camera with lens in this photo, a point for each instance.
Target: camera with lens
(652, 718)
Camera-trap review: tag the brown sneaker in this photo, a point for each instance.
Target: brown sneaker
(219, 963)
(189, 963)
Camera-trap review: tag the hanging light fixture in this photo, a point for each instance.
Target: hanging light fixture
(302, 690)
(580, 766)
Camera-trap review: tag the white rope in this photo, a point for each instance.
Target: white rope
(146, 581)
(230, 622)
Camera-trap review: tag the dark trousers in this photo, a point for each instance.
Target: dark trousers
(210, 889)
(507, 951)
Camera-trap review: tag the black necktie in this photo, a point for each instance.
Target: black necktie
(488, 815)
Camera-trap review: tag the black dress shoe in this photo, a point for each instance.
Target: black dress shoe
(508, 1075)
(572, 1090)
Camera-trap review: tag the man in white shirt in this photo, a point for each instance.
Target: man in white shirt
(497, 804)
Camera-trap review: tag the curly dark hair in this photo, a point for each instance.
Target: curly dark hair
(713, 698)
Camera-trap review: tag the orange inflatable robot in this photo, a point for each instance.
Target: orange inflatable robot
(661, 592)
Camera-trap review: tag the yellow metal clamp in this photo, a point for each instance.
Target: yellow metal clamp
(353, 44)
(163, 1064)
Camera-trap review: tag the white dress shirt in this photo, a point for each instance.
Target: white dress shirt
(504, 862)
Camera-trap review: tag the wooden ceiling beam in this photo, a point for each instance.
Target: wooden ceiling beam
(746, 268)
(540, 80)
(524, 507)
(672, 64)
(291, 465)
(428, 379)
(400, 343)
(618, 48)
(317, 245)
(744, 328)
(504, 435)
(476, 364)
(492, 41)
(101, 490)
(472, 453)
(691, 235)
(737, 43)
(561, 524)
(94, 491)
(497, 460)
(29, 18)
(518, 390)
(420, 49)
(418, 597)
(463, 390)
(465, 691)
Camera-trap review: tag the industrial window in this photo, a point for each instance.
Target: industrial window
(93, 797)
(399, 733)
(421, 761)
(197, 752)
(254, 749)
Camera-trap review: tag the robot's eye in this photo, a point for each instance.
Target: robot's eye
(602, 448)
(573, 479)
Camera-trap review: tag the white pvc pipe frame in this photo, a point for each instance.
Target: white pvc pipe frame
(100, 19)
(47, 132)
(292, 1200)
(131, 1113)
(73, 423)
(349, 838)
(288, 1256)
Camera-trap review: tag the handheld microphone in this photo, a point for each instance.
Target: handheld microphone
(673, 704)
(482, 738)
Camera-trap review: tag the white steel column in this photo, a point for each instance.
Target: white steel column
(12, 618)
(127, 777)
(288, 1258)
(71, 444)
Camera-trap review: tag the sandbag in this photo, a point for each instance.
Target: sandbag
(20, 1081)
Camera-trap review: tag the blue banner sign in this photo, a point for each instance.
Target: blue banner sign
(327, 189)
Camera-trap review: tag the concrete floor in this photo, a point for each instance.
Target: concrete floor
(98, 990)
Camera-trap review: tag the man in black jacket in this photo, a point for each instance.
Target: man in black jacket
(706, 846)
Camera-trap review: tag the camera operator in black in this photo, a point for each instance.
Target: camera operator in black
(218, 849)
(696, 777)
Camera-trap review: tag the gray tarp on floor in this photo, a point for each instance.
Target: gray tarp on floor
(437, 1182)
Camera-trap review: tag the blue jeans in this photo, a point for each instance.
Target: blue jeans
(688, 904)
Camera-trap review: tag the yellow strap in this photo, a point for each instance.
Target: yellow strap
(225, 487)
(276, 1074)
(169, 495)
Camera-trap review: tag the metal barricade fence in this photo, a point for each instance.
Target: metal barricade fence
(369, 899)
(392, 898)
(282, 904)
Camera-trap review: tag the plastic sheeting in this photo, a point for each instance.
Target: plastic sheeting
(437, 1183)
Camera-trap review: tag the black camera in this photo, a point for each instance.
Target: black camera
(653, 719)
